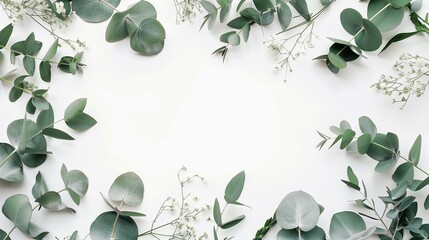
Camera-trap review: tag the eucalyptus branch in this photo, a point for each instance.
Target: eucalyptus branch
(11, 83)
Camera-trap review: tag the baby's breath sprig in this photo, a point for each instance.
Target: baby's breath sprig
(51, 15)
(289, 48)
(181, 226)
(187, 10)
(410, 79)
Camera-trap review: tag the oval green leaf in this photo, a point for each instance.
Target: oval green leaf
(149, 37)
(11, 170)
(345, 224)
(298, 210)
(351, 20)
(129, 188)
(384, 15)
(314, 234)
(94, 10)
(103, 226)
(235, 187)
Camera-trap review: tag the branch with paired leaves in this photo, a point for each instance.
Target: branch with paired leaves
(138, 21)
(19, 211)
(29, 49)
(383, 16)
(263, 14)
(28, 145)
(383, 148)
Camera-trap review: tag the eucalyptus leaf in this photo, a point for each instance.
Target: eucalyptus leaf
(414, 155)
(74, 109)
(45, 71)
(363, 143)
(224, 12)
(29, 64)
(298, 210)
(233, 222)
(314, 234)
(217, 215)
(366, 125)
(348, 136)
(345, 224)
(263, 5)
(246, 31)
(337, 60)
(139, 12)
(149, 37)
(40, 102)
(36, 147)
(238, 23)
(384, 15)
(235, 187)
(4, 235)
(56, 133)
(51, 51)
(81, 122)
(39, 187)
(5, 34)
(301, 7)
(75, 181)
(127, 188)
(45, 118)
(404, 173)
(17, 209)
(369, 39)
(351, 20)
(284, 14)
(52, 201)
(117, 28)
(108, 226)
(94, 10)
(11, 168)
(234, 39)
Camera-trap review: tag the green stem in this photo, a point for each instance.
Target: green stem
(109, 5)
(11, 83)
(31, 56)
(376, 213)
(149, 232)
(362, 28)
(10, 232)
(112, 236)
(269, 223)
(403, 158)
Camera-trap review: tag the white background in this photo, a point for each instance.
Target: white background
(186, 107)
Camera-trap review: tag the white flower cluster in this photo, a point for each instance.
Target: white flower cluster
(409, 79)
(288, 49)
(186, 10)
(186, 209)
(50, 14)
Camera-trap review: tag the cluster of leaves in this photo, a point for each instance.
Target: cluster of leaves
(29, 48)
(382, 16)
(421, 25)
(18, 209)
(298, 214)
(232, 193)
(147, 35)
(263, 14)
(28, 144)
(398, 207)
(128, 189)
(384, 148)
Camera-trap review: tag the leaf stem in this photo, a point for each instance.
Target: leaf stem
(11, 83)
(10, 232)
(112, 236)
(376, 213)
(109, 5)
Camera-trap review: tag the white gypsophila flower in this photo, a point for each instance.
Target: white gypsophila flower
(60, 7)
(277, 67)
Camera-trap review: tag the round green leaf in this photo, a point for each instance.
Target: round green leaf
(363, 143)
(385, 20)
(298, 210)
(344, 51)
(149, 37)
(267, 18)
(117, 28)
(103, 226)
(366, 125)
(337, 60)
(351, 20)
(369, 39)
(3, 235)
(11, 170)
(381, 153)
(17, 209)
(94, 10)
(74, 109)
(36, 147)
(399, 3)
(75, 181)
(345, 224)
(39, 188)
(234, 39)
(141, 11)
(314, 234)
(129, 188)
(52, 201)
